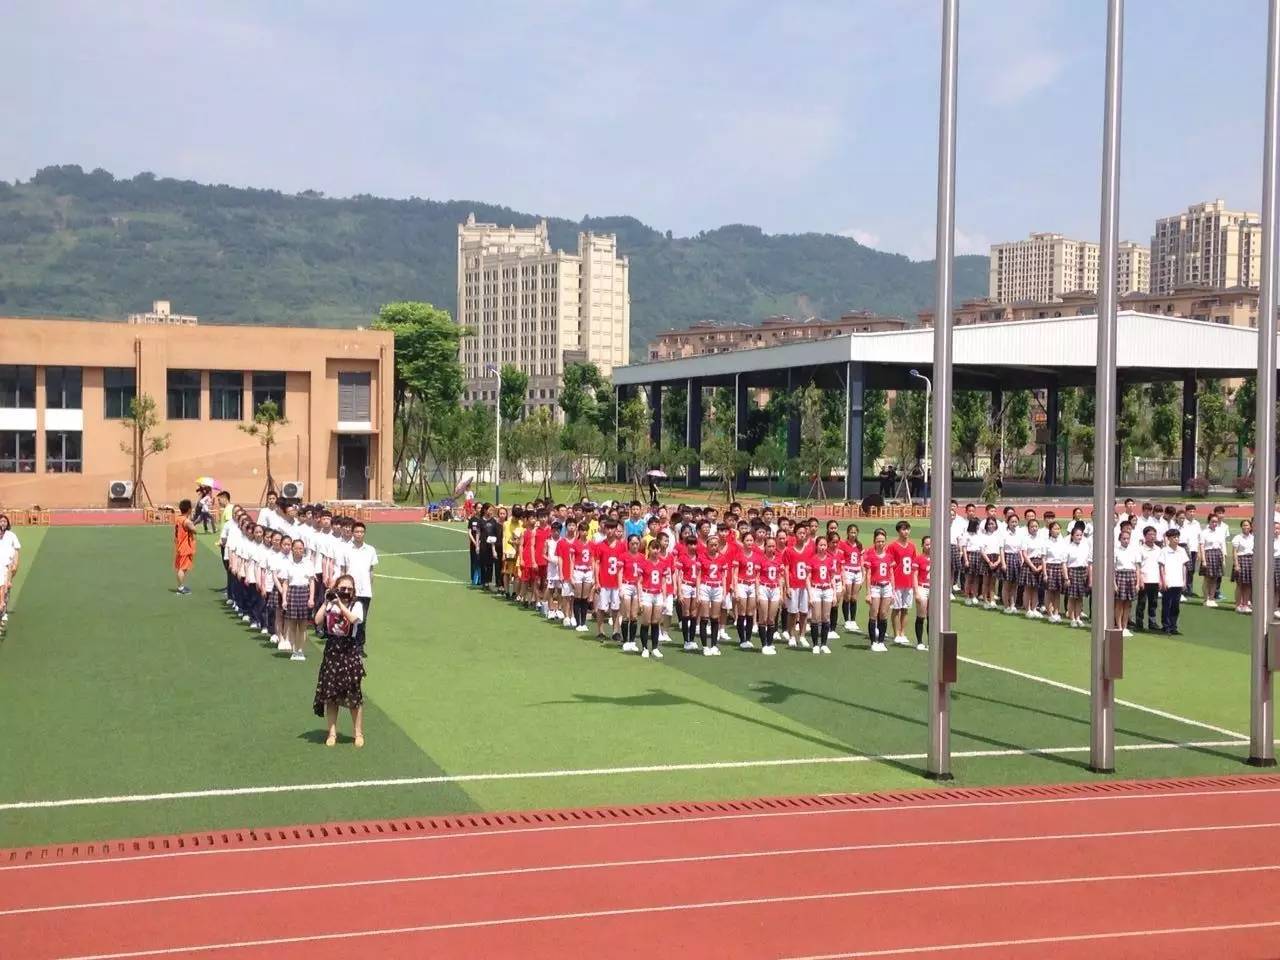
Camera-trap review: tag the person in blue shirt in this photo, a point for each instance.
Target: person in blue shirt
(635, 525)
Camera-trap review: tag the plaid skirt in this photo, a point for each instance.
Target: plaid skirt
(957, 559)
(1211, 564)
(1055, 578)
(273, 603)
(295, 603)
(1077, 581)
(987, 565)
(1126, 584)
(1028, 576)
(973, 562)
(1012, 567)
(1244, 576)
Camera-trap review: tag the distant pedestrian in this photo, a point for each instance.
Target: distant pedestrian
(184, 546)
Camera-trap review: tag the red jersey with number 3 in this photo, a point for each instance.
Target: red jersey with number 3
(715, 568)
(903, 556)
(923, 563)
(610, 557)
(747, 565)
(580, 553)
(879, 567)
(770, 570)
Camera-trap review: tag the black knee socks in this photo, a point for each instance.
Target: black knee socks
(748, 626)
(920, 627)
(714, 632)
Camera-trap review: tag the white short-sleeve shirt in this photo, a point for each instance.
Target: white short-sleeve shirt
(360, 563)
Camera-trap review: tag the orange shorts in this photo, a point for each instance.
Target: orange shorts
(182, 562)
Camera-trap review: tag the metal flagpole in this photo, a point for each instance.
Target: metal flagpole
(1262, 751)
(942, 642)
(1105, 658)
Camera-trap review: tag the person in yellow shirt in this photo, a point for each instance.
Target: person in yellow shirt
(511, 531)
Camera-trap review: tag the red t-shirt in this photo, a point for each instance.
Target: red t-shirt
(879, 567)
(564, 553)
(632, 564)
(610, 557)
(687, 564)
(797, 562)
(581, 552)
(540, 537)
(747, 565)
(850, 556)
(923, 563)
(651, 573)
(527, 556)
(824, 568)
(770, 570)
(903, 557)
(715, 568)
(667, 566)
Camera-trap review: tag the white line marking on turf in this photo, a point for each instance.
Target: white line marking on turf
(555, 774)
(1124, 703)
(656, 861)
(418, 553)
(1032, 941)
(446, 526)
(653, 822)
(681, 908)
(387, 576)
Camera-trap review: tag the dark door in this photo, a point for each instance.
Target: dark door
(353, 467)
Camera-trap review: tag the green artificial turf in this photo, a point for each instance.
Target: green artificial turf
(113, 686)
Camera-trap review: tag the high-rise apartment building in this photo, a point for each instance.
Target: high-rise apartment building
(1208, 245)
(1047, 265)
(537, 308)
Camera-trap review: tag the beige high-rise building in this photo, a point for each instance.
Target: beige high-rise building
(1208, 245)
(1047, 265)
(537, 308)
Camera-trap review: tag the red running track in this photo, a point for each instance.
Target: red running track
(1170, 869)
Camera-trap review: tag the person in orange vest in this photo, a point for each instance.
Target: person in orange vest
(184, 546)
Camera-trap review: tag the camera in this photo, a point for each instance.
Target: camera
(331, 595)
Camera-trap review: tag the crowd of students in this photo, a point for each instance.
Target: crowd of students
(638, 575)
(641, 576)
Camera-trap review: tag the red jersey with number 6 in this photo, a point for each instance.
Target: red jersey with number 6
(797, 560)
(879, 567)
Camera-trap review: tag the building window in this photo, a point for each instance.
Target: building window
(17, 386)
(184, 394)
(226, 395)
(62, 388)
(63, 451)
(268, 386)
(119, 387)
(353, 397)
(17, 451)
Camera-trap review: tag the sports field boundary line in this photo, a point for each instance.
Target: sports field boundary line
(418, 553)
(434, 525)
(572, 772)
(1154, 711)
(388, 576)
(644, 862)
(671, 814)
(835, 895)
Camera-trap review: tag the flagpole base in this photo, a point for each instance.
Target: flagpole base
(939, 777)
(1102, 770)
(1261, 761)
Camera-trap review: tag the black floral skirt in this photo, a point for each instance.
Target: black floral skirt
(341, 671)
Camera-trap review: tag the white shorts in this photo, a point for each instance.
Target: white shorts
(628, 591)
(553, 574)
(581, 577)
(768, 594)
(853, 578)
(608, 599)
(821, 595)
(686, 591)
(880, 591)
(922, 596)
(650, 599)
(669, 604)
(710, 593)
(798, 600)
(745, 591)
(902, 598)
(566, 589)
(727, 603)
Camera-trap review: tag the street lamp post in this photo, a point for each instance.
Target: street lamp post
(497, 434)
(928, 402)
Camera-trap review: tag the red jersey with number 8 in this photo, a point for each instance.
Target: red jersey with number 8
(903, 557)
(824, 568)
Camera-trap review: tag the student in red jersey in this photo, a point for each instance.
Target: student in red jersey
(732, 547)
(541, 534)
(879, 568)
(529, 562)
(796, 559)
(924, 563)
(713, 577)
(769, 593)
(668, 563)
(560, 546)
(851, 563)
(686, 573)
(824, 568)
(651, 569)
(902, 554)
(607, 559)
(745, 575)
(629, 594)
(581, 578)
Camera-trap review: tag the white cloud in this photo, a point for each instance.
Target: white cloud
(865, 237)
(972, 243)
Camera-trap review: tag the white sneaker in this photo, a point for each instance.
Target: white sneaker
(804, 642)
(629, 647)
(581, 628)
(922, 645)
(850, 626)
(825, 648)
(746, 645)
(954, 588)
(298, 656)
(970, 602)
(832, 635)
(853, 627)
(690, 645)
(1055, 618)
(791, 642)
(1126, 633)
(245, 618)
(645, 653)
(655, 653)
(284, 646)
(264, 631)
(570, 623)
(787, 637)
(723, 635)
(715, 651)
(769, 651)
(706, 652)
(275, 638)
(664, 637)
(1276, 615)
(879, 647)
(902, 641)
(817, 649)
(1211, 603)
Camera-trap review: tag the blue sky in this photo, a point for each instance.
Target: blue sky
(801, 116)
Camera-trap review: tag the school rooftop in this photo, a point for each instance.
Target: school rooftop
(1043, 354)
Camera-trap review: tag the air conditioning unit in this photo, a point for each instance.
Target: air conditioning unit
(293, 489)
(120, 490)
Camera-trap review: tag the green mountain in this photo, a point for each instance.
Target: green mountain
(88, 245)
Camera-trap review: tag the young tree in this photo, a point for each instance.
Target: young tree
(675, 413)
(907, 417)
(821, 446)
(721, 454)
(267, 419)
(968, 417)
(1165, 428)
(1219, 424)
(538, 440)
(589, 451)
(635, 448)
(580, 391)
(875, 416)
(771, 456)
(143, 443)
(513, 393)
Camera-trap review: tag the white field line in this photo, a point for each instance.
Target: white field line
(387, 576)
(559, 774)
(684, 907)
(1124, 703)
(452, 528)
(676, 821)
(1032, 941)
(418, 553)
(652, 862)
